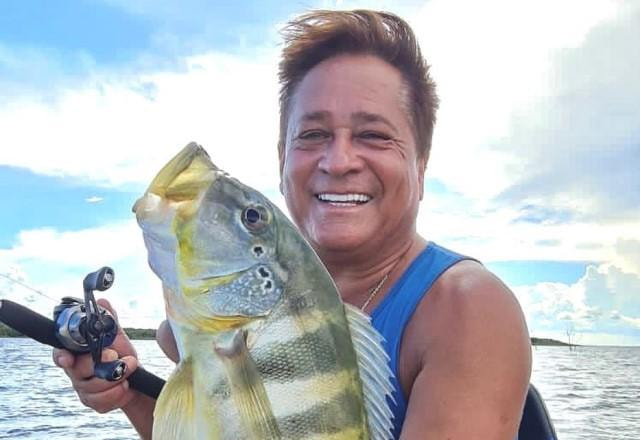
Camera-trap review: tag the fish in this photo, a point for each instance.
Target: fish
(267, 348)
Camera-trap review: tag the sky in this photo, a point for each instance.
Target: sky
(534, 167)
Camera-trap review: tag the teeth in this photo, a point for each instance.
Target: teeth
(344, 198)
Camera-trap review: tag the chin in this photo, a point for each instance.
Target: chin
(330, 241)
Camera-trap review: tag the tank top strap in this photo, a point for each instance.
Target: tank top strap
(392, 315)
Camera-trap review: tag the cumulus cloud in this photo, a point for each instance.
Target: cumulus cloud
(490, 63)
(116, 129)
(577, 146)
(85, 248)
(603, 303)
(536, 139)
(55, 263)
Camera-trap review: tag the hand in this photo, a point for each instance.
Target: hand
(98, 394)
(167, 342)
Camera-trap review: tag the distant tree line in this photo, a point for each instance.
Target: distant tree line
(546, 341)
(149, 333)
(8, 332)
(133, 333)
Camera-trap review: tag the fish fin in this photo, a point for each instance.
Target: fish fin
(174, 415)
(247, 389)
(375, 374)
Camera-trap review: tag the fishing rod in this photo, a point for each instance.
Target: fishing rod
(80, 326)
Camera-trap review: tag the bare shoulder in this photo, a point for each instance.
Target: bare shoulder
(469, 301)
(466, 351)
(469, 312)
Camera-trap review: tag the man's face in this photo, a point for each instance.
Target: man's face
(351, 176)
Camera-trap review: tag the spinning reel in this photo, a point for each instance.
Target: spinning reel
(84, 327)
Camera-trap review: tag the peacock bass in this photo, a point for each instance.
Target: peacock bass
(267, 348)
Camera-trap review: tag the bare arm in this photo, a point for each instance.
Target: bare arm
(140, 410)
(472, 359)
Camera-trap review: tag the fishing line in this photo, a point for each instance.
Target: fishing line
(26, 286)
(39, 292)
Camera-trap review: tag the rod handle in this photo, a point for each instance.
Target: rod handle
(43, 330)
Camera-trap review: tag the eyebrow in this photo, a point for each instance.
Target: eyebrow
(371, 117)
(320, 115)
(358, 117)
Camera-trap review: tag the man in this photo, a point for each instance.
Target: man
(357, 115)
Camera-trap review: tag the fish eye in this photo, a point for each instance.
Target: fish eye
(255, 218)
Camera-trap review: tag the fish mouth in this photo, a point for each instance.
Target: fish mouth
(184, 176)
(344, 199)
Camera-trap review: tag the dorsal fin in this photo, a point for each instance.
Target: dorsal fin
(373, 363)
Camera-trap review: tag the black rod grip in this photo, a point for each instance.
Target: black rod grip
(145, 382)
(29, 323)
(43, 330)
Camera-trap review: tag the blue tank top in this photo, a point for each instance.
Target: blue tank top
(392, 315)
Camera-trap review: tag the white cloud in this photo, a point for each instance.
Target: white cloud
(537, 132)
(93, 199)
(635, 322)
(116, 129)
(628, 255)
(490, 62)
(499, 65)
(56, 262)
(604, 301)
(473, 227)
(83, 248)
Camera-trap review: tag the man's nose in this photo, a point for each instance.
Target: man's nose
(341, 156)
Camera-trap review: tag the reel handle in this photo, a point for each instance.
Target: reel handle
(110, 371)
(42, 329)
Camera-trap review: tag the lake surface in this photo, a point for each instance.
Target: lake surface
(592, 393)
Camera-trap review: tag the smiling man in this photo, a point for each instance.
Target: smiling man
(351, 173)
(357, 115)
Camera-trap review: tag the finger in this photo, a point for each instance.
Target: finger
(103, 302)
(82, 368)
(109, 399)
(121, 344)
(167, 342)
(91, 385)
(63, 358)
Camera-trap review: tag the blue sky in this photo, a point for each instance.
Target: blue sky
(533, 170)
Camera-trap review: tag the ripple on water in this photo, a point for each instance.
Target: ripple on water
(591, 393)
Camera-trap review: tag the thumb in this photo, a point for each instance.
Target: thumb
(121, 344)
(102, 302)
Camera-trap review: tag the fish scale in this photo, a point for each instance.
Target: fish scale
(267, 348)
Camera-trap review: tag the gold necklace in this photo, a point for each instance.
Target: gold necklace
(375, 290)
(378, 286)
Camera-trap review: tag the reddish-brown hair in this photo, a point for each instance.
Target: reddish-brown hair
(316, 36)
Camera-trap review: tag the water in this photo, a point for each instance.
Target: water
(37, 401)
(592, 393)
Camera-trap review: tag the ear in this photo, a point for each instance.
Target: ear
(422, 167)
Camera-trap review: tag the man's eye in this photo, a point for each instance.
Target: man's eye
(313, 135)
(374, 136)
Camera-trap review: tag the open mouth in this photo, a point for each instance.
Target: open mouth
(353, 199)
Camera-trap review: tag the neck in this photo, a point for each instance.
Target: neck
(356, 277)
